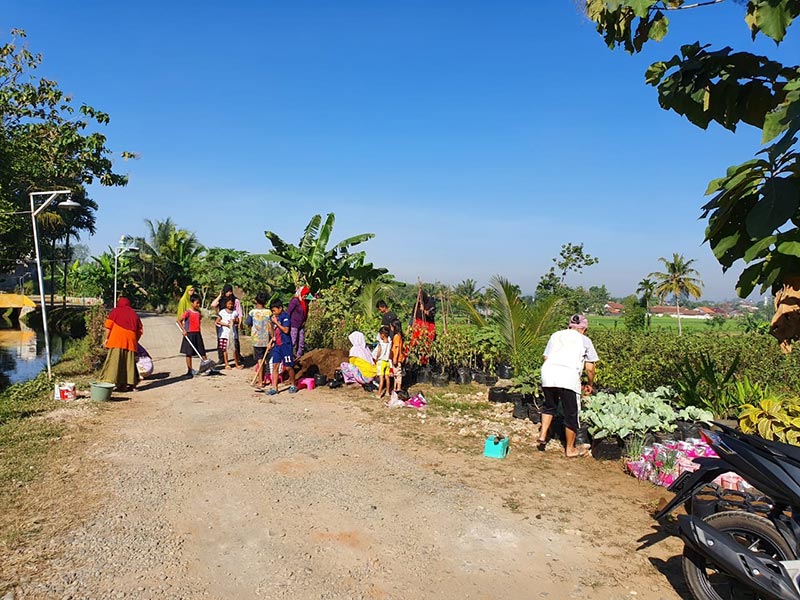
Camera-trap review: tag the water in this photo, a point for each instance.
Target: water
(22, 352)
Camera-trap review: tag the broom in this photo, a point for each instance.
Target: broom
(205, 364)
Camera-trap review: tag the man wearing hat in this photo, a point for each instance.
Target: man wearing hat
(567, 354)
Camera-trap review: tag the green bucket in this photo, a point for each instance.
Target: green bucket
(101, 391)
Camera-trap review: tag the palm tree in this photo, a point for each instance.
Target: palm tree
(520, 325)
(646, 287)
(679, 280)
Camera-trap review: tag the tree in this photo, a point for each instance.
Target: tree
(45, 143)
(678, 280)
(646, 287)
(313, 263)
(633, 314)
(570, 258)
(754, 211)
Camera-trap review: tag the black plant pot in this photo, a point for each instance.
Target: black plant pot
(424, 375)
(662, 436)
(491, 380)
(498, 394)
(464, 376)
(686, 430)
(607, 449)
(479, 377)
(320, 379)
(505, 371)
(440, 379)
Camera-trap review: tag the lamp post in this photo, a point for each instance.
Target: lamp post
(68, 204)
(126, 243)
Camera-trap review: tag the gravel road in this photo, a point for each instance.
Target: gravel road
(213, 490)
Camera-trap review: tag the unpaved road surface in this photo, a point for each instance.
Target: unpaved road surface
(210, 489)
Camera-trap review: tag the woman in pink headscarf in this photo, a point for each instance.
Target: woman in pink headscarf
(298, 313)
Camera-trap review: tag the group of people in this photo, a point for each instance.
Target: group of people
(278, 335)
(279, 338)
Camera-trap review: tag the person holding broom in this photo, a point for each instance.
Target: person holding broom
(192, 338)
(259, 321)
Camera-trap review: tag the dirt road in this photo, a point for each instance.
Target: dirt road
(209, 489)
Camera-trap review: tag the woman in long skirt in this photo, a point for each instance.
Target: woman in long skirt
(123, 329)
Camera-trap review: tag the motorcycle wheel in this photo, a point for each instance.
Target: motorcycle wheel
(752, 531)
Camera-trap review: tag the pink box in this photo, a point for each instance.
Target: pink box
(306, 383)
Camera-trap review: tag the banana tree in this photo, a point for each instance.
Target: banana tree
(313, 263)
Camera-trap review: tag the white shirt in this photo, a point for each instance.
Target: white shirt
(565, 354)
(227, 316)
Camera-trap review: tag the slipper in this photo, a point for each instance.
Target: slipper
(541, 445)
(582, 452)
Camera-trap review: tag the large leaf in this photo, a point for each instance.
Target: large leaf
(778, 204)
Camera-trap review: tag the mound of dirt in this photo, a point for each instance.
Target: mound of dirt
(321, 360)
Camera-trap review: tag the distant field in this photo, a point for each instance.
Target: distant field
(665, 323)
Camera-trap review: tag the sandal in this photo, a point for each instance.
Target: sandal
(541, 445)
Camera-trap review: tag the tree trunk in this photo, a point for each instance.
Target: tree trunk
(678, 308)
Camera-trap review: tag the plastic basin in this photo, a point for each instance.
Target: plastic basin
(101, 391)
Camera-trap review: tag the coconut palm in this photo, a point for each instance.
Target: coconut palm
(679, 280)
(646, 287)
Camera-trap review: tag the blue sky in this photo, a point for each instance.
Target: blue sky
(472, 137)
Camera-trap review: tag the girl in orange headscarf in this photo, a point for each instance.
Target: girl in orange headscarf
(123, 330)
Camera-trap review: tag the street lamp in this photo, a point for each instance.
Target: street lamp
(68, 204)
(126, 243)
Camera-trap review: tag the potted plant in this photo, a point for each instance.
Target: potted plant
(690, 418)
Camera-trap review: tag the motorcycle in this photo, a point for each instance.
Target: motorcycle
(737, 554)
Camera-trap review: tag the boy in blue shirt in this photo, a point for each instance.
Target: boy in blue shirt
(282, 352)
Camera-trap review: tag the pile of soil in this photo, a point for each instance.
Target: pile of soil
(321, 360)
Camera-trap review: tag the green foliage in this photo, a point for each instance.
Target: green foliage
(570, 258)
(632, 414)
(521, 326)
(45, 143)
(773, 419)
(754, 211)
(311, 262)
(452, 347)
(695, 414)
(488, 344)
(335, 314)
(704, 383)
(633, 360)
(633, 314)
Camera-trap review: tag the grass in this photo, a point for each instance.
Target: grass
(669, 324)
(439, 404)
(26, 439)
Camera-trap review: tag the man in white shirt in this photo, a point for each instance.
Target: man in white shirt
(567, 354)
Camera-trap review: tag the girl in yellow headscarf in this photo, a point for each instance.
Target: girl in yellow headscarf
(185, 303)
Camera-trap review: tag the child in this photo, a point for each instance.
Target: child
(190, 320)
(282, 352)
(397, 355)
(258, 320)
(383, 360)
(228, 321)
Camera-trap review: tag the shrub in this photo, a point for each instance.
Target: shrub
(633, 360)
(772, 419)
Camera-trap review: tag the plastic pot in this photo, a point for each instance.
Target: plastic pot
(424, 375)
(686, 430)
(320, 379)
(464, 376)
(479, 377)
(440, 379)
(490, 380)
(606, 449)
(499, 394)
(504, 371)
(101, 391)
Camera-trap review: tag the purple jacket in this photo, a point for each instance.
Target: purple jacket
(296, 315)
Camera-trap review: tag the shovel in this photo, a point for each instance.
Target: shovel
(205, 364)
